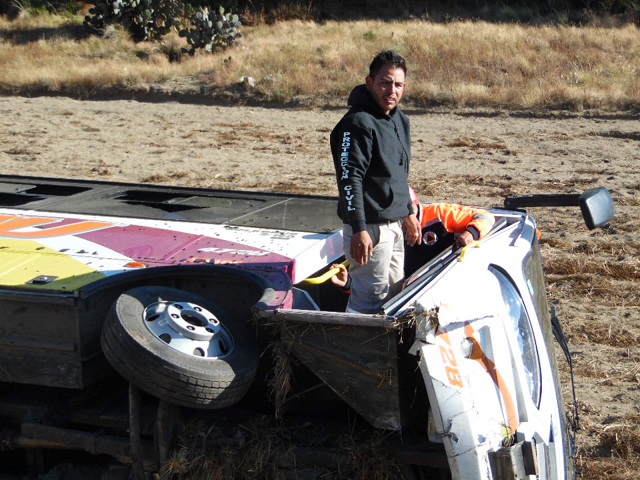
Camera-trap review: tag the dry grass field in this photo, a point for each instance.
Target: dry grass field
(495, 110)
(466, 64)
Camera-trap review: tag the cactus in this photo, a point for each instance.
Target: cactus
(144, 19)
(211, 31)
(153, 19)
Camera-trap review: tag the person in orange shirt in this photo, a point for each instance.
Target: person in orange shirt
(443, 225)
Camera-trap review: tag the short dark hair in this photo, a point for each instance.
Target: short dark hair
(386, 57)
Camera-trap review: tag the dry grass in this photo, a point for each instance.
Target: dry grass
(460, 63)
(260, 447)
(598, 277)
(619, 450)
(579, 266)
(56, 57)
(208, 452)
(622, 439)
(281, 376)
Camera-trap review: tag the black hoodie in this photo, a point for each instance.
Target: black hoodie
(371, 153)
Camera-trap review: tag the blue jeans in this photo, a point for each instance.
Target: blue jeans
(380, 279)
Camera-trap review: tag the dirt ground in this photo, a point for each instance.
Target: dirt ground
(463, 156)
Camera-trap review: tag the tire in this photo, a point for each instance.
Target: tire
(180, 347)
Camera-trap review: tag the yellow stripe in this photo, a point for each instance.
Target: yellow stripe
(24, 260)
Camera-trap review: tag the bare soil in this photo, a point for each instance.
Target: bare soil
(474, 157)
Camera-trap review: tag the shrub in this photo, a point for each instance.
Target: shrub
(144, 19)
(211, 31)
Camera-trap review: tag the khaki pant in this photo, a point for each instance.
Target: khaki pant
(380, 279)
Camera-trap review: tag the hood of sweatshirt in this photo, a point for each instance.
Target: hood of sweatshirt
(361, 98)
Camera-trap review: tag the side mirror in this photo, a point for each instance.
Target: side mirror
(596, 204)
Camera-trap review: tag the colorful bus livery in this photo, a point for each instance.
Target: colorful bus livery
(66, 253)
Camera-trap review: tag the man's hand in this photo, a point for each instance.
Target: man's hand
(361, 247)
(464, 239)
(412, 230)
(340, 279)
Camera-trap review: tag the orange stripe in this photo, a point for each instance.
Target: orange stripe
(490, 367)
(10, 223)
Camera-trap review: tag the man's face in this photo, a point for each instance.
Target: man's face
(387, 87)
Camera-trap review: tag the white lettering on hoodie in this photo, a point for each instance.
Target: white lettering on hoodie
(344, 164)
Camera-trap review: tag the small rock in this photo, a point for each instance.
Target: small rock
(248, 82)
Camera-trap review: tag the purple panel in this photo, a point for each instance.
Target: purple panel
(162, 247)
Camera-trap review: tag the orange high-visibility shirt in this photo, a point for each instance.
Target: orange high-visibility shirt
(456, 218)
